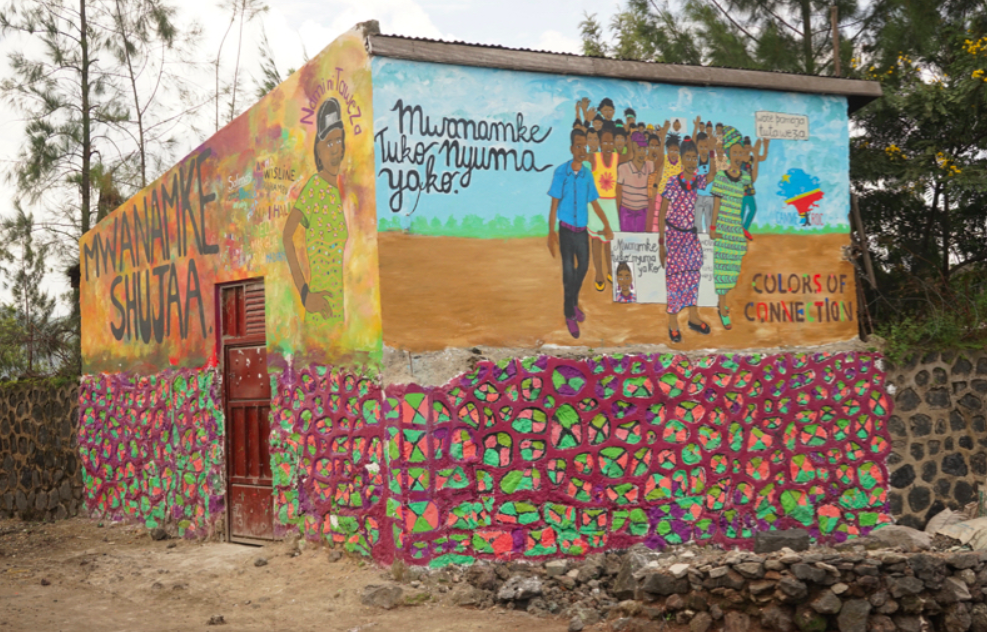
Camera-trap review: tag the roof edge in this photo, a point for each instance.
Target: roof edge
(858, 92)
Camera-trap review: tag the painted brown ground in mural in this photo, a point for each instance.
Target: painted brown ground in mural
(439, 292)
(117, 578)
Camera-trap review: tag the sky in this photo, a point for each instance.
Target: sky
(299, 29)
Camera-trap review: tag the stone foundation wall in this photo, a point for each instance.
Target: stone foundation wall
(152, 450)
(327, 447)
(555, 457)
(851, 590)
(39, 466)
(939, 434)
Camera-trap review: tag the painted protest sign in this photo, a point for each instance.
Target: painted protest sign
(777, 125)
(641, 252)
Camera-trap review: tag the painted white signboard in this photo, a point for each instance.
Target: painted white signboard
(781, 126)
(640, 251)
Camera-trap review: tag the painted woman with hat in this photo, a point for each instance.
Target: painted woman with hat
(319, 210)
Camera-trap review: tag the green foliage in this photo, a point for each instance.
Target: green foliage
(270, 76)
(790, 35)
(940, 326)
(919, 163)
(56, 83)
(90, 80)
(33, 341)
(592, 33)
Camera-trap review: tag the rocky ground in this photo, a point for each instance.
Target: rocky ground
(899, 579)
(75, 575)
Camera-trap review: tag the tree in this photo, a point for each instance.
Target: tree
(33, 341)
(790, 35)
(247, 11)
(270, 76)
(919, 163)
(98, 85)
(149, 46)
(63, 94)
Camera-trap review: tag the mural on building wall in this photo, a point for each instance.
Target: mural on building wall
(676, 183)
(281, 193)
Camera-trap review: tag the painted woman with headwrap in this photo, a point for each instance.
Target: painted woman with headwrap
(680, 250)
(319, 210)
(727, 231)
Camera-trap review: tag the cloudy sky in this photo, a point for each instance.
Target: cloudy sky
(296, 28)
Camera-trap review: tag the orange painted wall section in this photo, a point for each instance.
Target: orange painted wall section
(150, 269)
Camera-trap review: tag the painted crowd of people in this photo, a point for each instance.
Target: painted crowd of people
(630, 176)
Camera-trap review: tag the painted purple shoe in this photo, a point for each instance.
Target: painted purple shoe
(580, 316)
(573, 327)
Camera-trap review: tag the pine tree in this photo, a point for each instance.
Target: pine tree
(67, 100)
(154, 54)
(32, 338)
(270, 76)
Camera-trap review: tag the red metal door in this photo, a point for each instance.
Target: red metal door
(248, 407)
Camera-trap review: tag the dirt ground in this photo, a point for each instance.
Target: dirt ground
(439, 292)
(74, 575)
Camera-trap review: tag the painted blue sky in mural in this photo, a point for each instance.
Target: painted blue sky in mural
(416, 188)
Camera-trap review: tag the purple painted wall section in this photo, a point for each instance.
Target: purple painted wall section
(152, 449)
(547, 457)
(537, 457)
(326, 452)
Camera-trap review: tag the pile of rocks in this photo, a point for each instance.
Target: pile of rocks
(853, 590)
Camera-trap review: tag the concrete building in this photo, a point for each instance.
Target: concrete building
(441, 301)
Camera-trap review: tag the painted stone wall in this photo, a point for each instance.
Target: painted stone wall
(39, 464)
(546, 456)
(326, 452)
(529, 458)
(152, 450)
(939, 434)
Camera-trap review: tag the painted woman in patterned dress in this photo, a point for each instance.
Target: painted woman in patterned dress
(680, 251)
(727, 231)
(319, 210)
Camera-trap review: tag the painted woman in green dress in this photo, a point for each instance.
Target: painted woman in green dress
(727, 231)
(319, 210)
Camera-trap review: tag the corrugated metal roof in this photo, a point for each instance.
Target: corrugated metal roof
(552, 52)
(858, 92)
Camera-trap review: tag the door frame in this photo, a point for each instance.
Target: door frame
(224, 345)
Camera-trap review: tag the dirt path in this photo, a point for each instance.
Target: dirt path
(439, 292)
(73, 575)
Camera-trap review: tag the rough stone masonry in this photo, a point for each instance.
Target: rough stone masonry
(39, 462)
(938, 434)
(870, 584)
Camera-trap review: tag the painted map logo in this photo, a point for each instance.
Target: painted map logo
(801, 191)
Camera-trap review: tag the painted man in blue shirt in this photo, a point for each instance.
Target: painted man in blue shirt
(573, 190)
